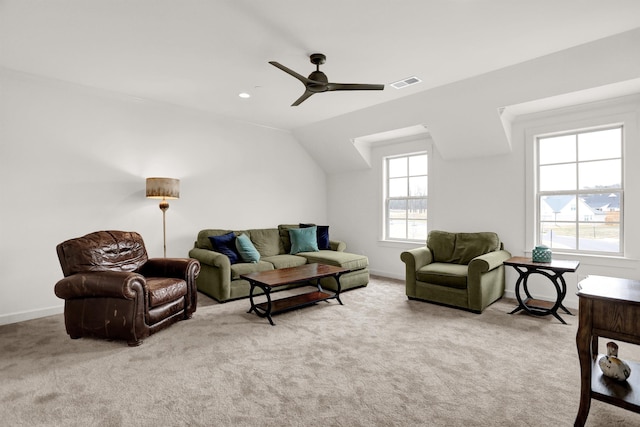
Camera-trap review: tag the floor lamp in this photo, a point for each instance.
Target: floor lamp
(163, 188)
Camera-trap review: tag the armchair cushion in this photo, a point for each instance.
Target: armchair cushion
(442, 245)
(471, 245)
(165, 289)
(102, 251)
(444, 274)
(461, 248)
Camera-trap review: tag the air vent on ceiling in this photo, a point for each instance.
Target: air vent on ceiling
(406, 82)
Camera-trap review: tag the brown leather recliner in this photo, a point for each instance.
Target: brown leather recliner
(113, 290)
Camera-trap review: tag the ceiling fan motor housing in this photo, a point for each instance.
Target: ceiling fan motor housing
(319, 76)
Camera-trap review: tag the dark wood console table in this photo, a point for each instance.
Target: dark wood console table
(551, 270)
(610, 308)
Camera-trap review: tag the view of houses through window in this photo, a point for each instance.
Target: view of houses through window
(406, 197)
(580, 191)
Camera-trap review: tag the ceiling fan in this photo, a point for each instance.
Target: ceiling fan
(317, 81)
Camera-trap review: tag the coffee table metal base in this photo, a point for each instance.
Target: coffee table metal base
(266, 281)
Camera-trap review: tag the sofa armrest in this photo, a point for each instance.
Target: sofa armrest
(215, 276)
(212, 258)
(337, 245)
(488, 261)
(109, 284)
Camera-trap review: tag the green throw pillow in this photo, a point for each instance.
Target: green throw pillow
(303, 240)
(245, 248)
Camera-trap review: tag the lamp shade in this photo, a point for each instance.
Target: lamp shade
(163, 188)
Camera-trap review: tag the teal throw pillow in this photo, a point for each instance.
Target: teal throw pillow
(245, 248)
(323, 235)
(303, 240)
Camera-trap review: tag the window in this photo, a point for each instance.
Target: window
(580, 191)
(406, 197)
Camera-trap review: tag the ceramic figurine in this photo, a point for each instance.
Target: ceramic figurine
(613, 367)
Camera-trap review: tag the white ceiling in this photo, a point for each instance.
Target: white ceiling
(202, 53)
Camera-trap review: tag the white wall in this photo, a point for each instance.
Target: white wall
(74, 160)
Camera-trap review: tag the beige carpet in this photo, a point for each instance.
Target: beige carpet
(379, 360)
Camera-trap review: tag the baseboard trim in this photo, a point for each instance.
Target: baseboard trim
(6, 319)
(386, 274)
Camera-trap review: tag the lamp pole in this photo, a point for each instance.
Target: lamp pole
(163, 188)
(164, 205)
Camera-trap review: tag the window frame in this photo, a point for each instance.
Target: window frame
(577, 221)
(387, 199)
(624, 110)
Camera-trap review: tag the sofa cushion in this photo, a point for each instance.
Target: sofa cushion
(203, 241)
(322, 235)
(303, 240)
(471, 245)
(249, 267)
(339, 259)
(163, 290)
(226, 245)
(285, 260)
(444, 274)
(248, 252)
(284, 236)
(267, 241)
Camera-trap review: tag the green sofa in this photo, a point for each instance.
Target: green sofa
(462, 270)
(220, 279)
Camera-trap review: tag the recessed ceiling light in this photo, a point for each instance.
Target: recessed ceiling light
(406, 82)
(244, 95)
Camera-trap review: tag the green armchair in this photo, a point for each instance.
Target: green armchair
(462, 270)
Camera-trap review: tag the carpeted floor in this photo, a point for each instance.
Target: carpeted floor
(379, 360)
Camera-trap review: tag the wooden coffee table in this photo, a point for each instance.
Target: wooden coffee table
(268, 280)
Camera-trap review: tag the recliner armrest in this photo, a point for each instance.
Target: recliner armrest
(111, 284)
(178, 268)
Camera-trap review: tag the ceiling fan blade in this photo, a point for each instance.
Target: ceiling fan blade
(305, 95)
(289, 71)
(353, 86)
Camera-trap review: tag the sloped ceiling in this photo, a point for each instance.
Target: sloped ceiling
(201, 54)
(471, 117)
